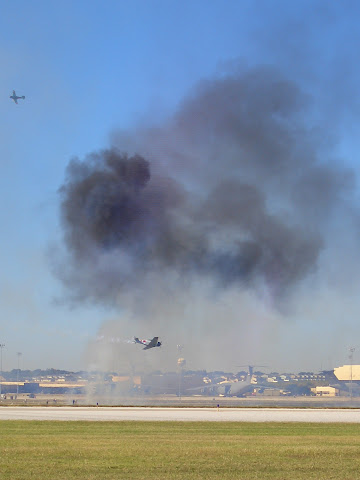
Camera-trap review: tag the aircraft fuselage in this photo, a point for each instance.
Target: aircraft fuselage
(16, 97)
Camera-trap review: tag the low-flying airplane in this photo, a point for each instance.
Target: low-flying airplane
(15, 97)
(148, 343)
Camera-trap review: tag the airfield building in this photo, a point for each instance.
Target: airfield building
(348, 372)
(326, 391)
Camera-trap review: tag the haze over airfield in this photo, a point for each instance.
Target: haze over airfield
(236, 231)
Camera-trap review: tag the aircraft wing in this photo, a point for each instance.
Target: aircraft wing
(152, 343)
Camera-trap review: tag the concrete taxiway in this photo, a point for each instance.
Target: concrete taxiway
(116, 414)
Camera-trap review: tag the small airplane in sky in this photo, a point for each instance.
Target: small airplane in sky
(148, 343)
(15, 97)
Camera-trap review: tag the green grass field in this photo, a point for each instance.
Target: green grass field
(178, 450)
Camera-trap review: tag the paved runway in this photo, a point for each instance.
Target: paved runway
(181, 414)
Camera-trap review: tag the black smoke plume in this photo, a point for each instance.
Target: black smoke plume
(234, 188)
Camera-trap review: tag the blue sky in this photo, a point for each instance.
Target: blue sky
(89, 68)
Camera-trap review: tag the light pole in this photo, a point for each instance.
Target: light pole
(18, 370)
(181, 363)
(2, 345)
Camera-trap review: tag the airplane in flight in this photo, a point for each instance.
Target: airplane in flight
(148, 343)
(15, 97)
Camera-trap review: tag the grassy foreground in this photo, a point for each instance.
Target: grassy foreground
(178, 450)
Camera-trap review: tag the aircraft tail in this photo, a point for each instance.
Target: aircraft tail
(23, 97)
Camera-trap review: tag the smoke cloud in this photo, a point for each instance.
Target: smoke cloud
(256, 215)
(235, 193)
